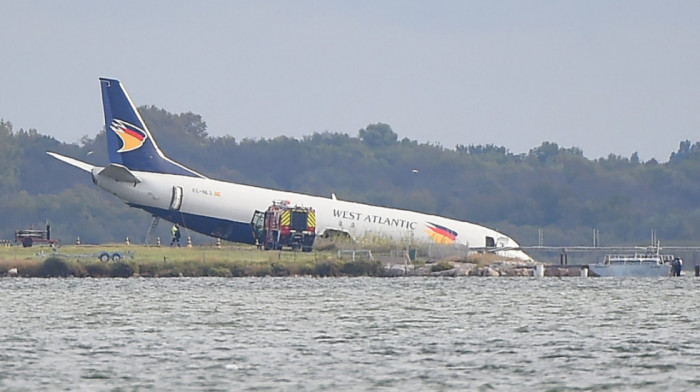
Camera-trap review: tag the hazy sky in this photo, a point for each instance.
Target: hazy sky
(605, 76)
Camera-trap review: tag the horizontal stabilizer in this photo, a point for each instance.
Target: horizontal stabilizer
(119, 173)
(74, 162)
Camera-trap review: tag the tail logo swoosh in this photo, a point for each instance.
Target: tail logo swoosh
(132, 137)
(441, 234)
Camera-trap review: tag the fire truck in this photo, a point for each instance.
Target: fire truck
(283, 225)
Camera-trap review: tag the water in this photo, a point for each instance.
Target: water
(350, 334)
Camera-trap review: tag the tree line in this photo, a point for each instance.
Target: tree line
(552, 188)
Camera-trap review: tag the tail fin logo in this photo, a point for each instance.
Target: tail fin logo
(132, 137)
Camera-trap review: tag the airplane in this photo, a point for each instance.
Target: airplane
(142, 176)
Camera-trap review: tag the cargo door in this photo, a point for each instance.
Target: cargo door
(258, 226)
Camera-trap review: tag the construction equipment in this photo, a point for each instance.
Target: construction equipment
(27, 237)
(283, 225)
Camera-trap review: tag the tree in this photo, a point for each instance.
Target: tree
(378, 135)
(686, 150)
(545, 152)
(10, 159)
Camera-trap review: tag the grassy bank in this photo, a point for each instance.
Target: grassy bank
(148, 261)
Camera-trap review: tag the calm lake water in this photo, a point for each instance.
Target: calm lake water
(350, 334)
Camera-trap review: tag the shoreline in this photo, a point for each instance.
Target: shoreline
(124, 261)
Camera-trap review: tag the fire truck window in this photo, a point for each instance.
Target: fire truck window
(298, 221)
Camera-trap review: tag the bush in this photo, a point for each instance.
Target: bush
(122, 269)
(258, 270)
(362, 268)
(305, 269)
(222, 272)
(54, 267)
(98, 269)
(441, 266)
(237, 271)
(148, 270)
(327, 268)
(279, 270)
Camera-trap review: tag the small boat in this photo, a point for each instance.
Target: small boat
(646, 264)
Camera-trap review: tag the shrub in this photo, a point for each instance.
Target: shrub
(305, 269)
(441, 266)
(122, 269)
(258, 270)
(362, 268)
(98, 269)
(238, 271)
(148, 269)
(78, 269)
(279, 270)
(222, 272)
(327, 268)
(54, 267)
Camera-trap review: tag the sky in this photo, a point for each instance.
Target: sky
(608, 77)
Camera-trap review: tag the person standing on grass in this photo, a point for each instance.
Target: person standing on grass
(176, 235)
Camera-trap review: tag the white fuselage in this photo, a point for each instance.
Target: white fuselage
(237, 203)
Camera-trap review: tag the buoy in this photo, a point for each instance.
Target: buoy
(12, 272)
(189, 241)
(218, 243)
(127, 241)
(584, 272)
(158, 242)
(77, 242)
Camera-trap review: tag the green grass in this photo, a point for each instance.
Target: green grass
(151, 261)
(227, 261)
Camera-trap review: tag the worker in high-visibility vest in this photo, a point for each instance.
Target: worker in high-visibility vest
(176, 235)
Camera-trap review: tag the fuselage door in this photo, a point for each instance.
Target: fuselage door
(176, 201)
(258, 226)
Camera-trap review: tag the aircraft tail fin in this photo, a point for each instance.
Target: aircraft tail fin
(129, 141)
